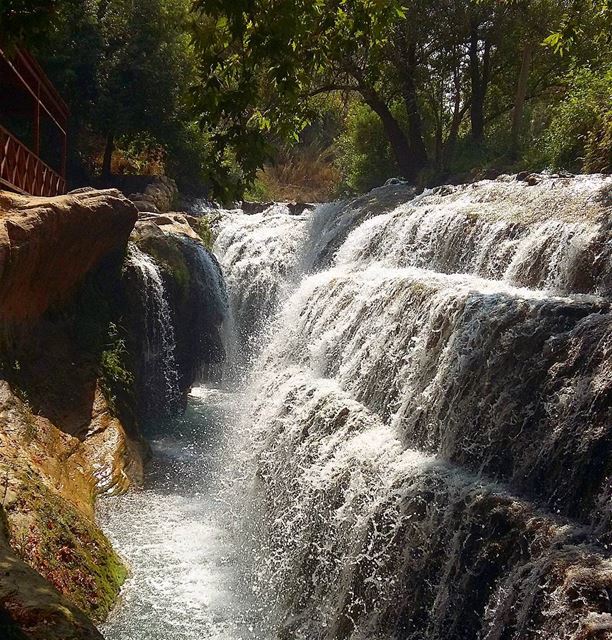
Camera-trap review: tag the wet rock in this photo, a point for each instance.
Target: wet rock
(197, 305)
(298, 208)
(46, 522)
(392, 182)
(251, 208)
(294, 208)
(31, 605)
(532, 180)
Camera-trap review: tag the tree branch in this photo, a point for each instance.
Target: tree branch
(329, 88)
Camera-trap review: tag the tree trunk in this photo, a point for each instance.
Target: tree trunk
(415, 123)
(479, 77)
(406, 162)
(448, 148)
(519, 99)
(108, 157)
(438, 147)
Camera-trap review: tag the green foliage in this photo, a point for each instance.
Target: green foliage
(260, 61)
(188, 154)
(125, 68)
(454, 67)
(257, 191)
(364, 158)
(23, 21)
(579, 136)
(99, 334)
(204, 228)
(211, 91)
(585, 21)
(114, 369)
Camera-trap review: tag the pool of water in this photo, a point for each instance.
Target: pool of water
(188, 578)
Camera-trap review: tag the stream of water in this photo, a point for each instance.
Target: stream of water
(176, 537)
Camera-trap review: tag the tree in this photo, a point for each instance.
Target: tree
(22, 21)
(262, 60)
(125, 67)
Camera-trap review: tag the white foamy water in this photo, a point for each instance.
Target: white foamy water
(160, 371)
(421, 448)
(176, 538)
(260, 255)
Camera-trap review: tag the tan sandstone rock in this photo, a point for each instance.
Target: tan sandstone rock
(47, 245)
(61, 442)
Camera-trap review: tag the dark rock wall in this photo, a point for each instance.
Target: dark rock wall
(195, 291)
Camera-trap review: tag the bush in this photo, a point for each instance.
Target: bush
(114, 370)
(141, 155)
(306, 174)
(579, 137)
(364, 156)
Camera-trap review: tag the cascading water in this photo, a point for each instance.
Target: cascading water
(429, 438)
(422, 447)
(259, 254)
(209, 308)
(160, 375)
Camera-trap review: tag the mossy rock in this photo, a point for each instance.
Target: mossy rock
(64, 546)
(168, 255)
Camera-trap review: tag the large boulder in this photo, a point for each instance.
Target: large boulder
(48, 245)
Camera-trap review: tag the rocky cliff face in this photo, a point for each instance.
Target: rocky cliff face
(195, 289)
(61, 442)
(75, 375)
(47, 246)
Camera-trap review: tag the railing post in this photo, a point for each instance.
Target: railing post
(37, 123)
(64, 162)
(23, 171)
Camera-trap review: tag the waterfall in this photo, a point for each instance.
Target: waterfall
(210, 322)
(537, 237)
(260, 255)
(160, 373)
(425, 444)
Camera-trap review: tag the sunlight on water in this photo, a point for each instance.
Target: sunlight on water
(402, 460)
(184, 582)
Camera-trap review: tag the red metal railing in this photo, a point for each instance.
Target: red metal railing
(23, 171)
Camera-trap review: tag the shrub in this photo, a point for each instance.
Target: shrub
(304, 175)
(579, 137)
(364, 157)
(114, 370)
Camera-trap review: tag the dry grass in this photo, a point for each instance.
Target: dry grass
(303, 176)
(149, 162)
